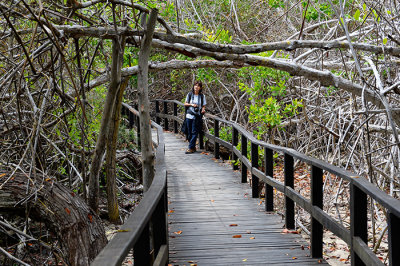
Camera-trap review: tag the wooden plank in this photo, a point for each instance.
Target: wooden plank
(208, 206)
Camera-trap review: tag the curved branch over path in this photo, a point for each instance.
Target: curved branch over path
(326, 78)
(106, 33)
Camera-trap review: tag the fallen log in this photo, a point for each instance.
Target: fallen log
(78, 229)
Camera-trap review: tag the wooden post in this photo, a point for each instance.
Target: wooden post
(289, 182)
(394, 238)
(244, 154)
(254, 164)
(131, 118)
(358, 219)
(317, 201)
(158, 119)
(159, 222)
(216, 135)
(166, 127)
(235, 142)
(201, 135)
(269, 171)
(175, 115)
(141, 250)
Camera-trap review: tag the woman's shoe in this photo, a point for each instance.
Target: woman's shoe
(188, 151)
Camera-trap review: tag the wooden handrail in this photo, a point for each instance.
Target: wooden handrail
(360, 190)
(150, 214)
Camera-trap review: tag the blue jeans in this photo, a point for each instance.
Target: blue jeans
(193, 128)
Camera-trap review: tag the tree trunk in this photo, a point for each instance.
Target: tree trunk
(78, 228)
(117, 57)
(144, 103)
(112, 200)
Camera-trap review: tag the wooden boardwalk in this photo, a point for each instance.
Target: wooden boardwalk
(214, 221)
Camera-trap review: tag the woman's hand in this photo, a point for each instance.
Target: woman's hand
(194, 105)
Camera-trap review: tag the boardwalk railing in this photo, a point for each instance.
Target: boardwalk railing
(360, 189)
(149, 216)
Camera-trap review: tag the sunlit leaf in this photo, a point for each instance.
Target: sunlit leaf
(357, 14)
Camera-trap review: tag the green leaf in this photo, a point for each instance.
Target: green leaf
(384, 41)
(357, 15)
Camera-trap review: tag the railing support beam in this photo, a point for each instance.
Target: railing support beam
(394, 239)
(131, 119)
(289, 182)
(254, 164)
(317, 201)
(141, 250)
(358, 219)
(175, 114)
(216, 135)
(159, 221)
(166, 126)
(235, 142)
(158, 119)
(244, 154)
(201, 136)
(269, 171)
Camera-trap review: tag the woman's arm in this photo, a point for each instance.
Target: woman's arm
(190, 104)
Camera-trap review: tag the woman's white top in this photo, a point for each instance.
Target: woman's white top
(196, 100)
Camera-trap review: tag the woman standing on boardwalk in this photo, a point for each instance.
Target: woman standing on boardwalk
(195, 108)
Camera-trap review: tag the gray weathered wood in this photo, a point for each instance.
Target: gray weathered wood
(205, 198)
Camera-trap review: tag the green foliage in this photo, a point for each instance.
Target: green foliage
(126, 138)
(264, 82)
(267, 88)
(207, 75)
(331, 90)
(365, 12)
(223, 36)
(225, 133)
(168, 11)
(131, 56)
(357, 15)
(220, 36)
(96, 100)
(318, 10)
(268, 113)
(276, 3)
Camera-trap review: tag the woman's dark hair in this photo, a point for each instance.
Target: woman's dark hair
(198, 82)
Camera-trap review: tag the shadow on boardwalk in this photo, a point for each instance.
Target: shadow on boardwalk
(214, 221)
